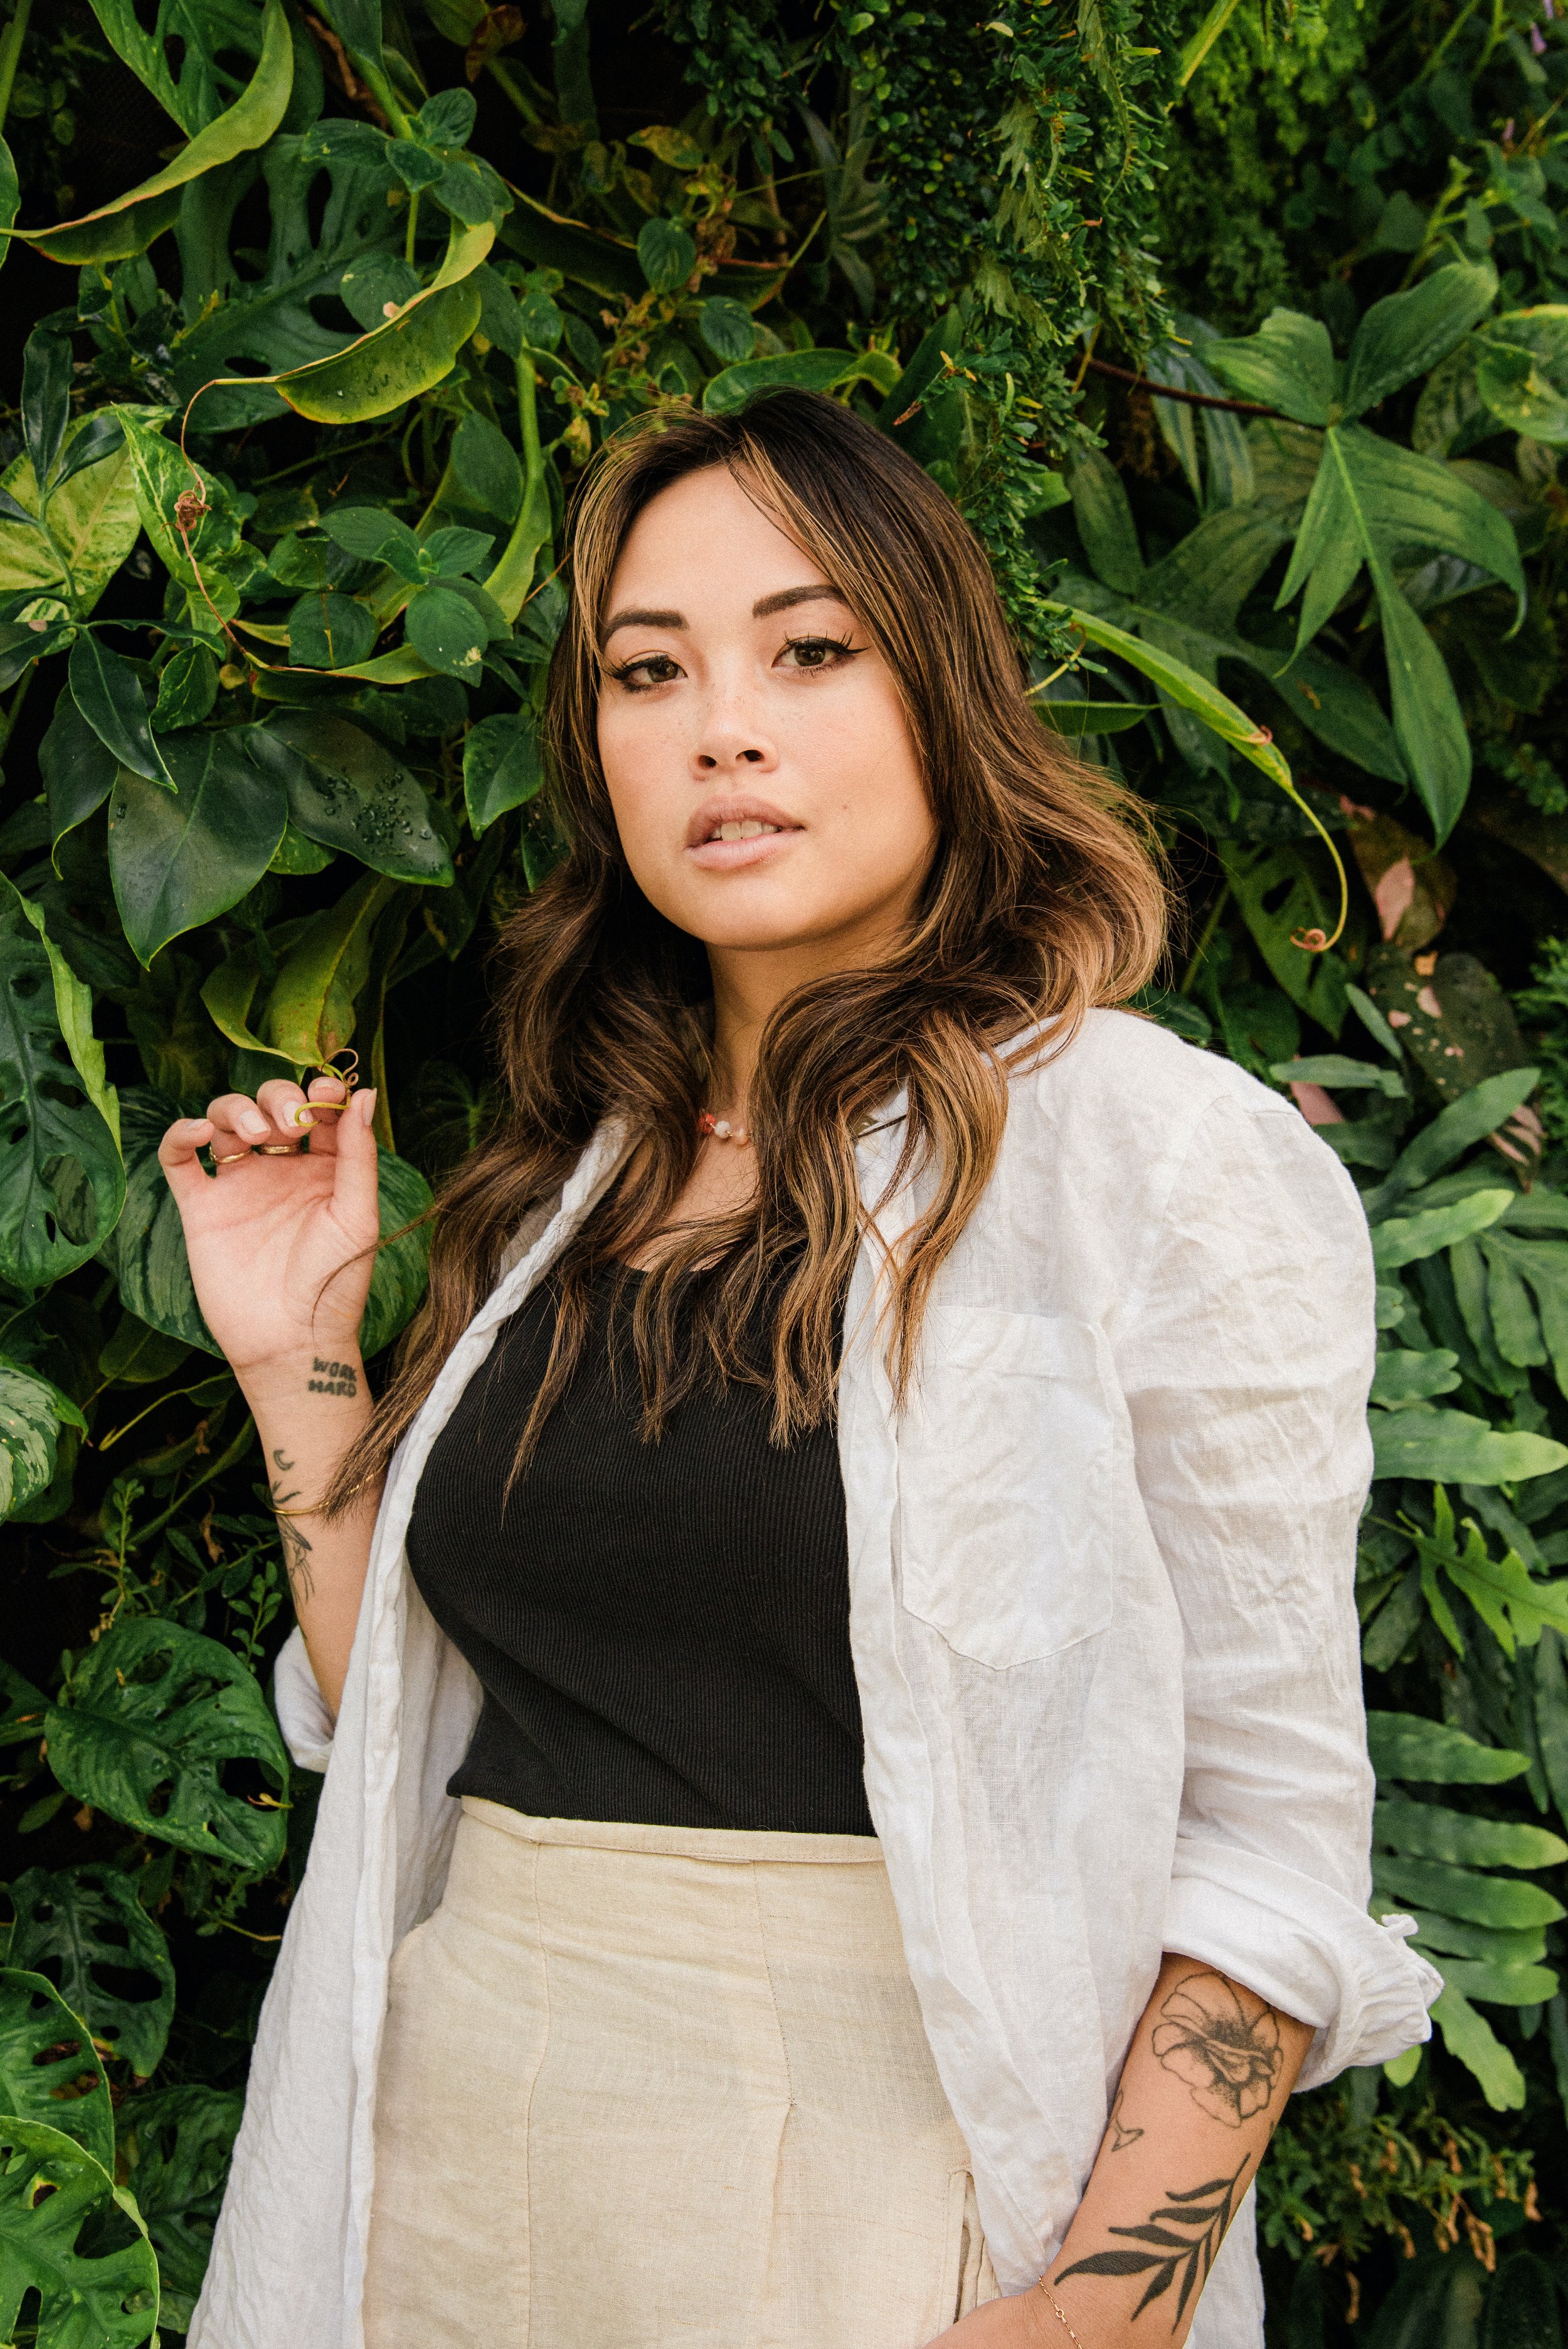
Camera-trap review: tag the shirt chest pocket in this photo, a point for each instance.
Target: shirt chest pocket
(1005, 1477)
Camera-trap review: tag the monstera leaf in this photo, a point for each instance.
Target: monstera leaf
(86, 1929)
(175, 2144)
(145, 1729)
(51, 2191)
(49, 2070)
(61, 1181)
(32, 1412)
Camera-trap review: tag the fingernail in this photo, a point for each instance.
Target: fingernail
(300, 1115)
(251, 1122)
(367, 1107)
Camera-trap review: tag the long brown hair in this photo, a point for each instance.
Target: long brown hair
(1044, 899)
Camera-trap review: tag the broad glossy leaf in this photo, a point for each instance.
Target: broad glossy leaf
(249, 123)
(402, 1262)
(150, 1720)
(501, 767)
(789, 371)
(136, 1355)
(1464, 1940)
(50, 2069)
(1521, 371)
(1073, 718)
(1497, 1985)
(1408, 1745)
(74, 1011)
(10, 196)
(1428, 1831)
(487, 467)
(310, 1010)
(1189, 691)
(348, 791)
(1455, 1130)
(666, 253)
(370, 535)
(182, 59)
(1452, 1447)
(61, 1183)
(175, 2144)
(47, 365)
(109, 1960)
(453, 554)
(1288, 363)
(1104, 519)
(1406, 335)
(408, 355)
(1401, 1376)
(1473, 2043)
(159, 477)
(1503, 1902)
(1406, 1239)
(179, 859)
(107, 690)
(32, 1409)
(187, 688)
(93, 524)
(330, 631)
(727, 328)
(446, 631)
(101, 436)
(51, 2189)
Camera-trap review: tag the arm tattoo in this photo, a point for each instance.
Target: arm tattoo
(1205, 2212)
(1121, 2136)
(296, 1548)
(1223, 2042)
(333, 1378)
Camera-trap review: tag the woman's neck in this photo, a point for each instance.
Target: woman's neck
(750, 983)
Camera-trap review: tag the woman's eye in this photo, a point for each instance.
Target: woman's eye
(814, 653)
(653, 668)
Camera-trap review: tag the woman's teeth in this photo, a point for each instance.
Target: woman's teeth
(749, 829)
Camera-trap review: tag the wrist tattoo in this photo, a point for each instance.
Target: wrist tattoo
(333, 1378)
(1120, 2136)
(1224, 2043)
(297, 1549)
(1205, 2212)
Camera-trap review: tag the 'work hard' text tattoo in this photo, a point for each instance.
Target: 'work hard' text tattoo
(333, 1378)
(296, 1548)
(1177, 2240)
(1224, 2043)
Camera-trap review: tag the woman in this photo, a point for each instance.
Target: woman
(848, 1807)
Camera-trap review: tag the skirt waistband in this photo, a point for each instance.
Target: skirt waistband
(728, 1845)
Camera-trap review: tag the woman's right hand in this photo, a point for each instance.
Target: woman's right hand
(281, 1248)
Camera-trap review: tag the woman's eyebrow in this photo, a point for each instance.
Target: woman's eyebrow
(633, 619)
(818, 592)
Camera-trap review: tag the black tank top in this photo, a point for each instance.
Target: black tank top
(661, 1629)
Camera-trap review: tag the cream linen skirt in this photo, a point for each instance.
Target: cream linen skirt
(648, 2087)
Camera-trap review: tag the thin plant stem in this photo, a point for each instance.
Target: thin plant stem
(1200, 951)
(11, 42)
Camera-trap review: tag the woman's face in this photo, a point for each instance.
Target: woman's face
(761, 772)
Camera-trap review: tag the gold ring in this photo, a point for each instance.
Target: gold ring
(232, 1159)
(277, 1149)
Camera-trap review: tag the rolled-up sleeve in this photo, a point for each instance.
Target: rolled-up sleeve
(1246, 1358)
(301, 1710)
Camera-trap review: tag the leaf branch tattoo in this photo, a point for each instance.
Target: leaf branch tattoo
(1207, 2209)
(1121, 2136)
(1223, 2044)
(296, 1547)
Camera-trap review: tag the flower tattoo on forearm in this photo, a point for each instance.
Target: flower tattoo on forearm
(1224, 2043)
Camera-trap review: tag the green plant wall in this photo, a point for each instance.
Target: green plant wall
(1238, 336)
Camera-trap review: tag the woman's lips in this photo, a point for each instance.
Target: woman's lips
(733, 856)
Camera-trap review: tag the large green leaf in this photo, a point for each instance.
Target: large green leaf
(1521, 371)
(33, 1411)
(1406, 335)
(1406, 1239)
(1502, 1901)
(93, 526)
(1288, 363)
(1188, 690)
(50, 2069)
(1478, 2048)
(61, 1181)
(1479, 1113)
(501, 767)
(310, 1010)
(348, 791)
(180, 858)
(789, 371)
(194, 550)
(250, 122)
(1428, 1831)
(149, 1721)
(184, 58)
(175, 2144)
(1452, 1447)
(85, 1927)
(1104, 519)
(107, 690)
(402, 1261)
(51, 2191)
(1281, 893)
(1407, 1745)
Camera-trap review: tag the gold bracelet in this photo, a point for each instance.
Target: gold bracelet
(1061, 2312)
(314, 1511)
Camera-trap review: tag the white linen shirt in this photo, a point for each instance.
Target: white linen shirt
(1102, 1615)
